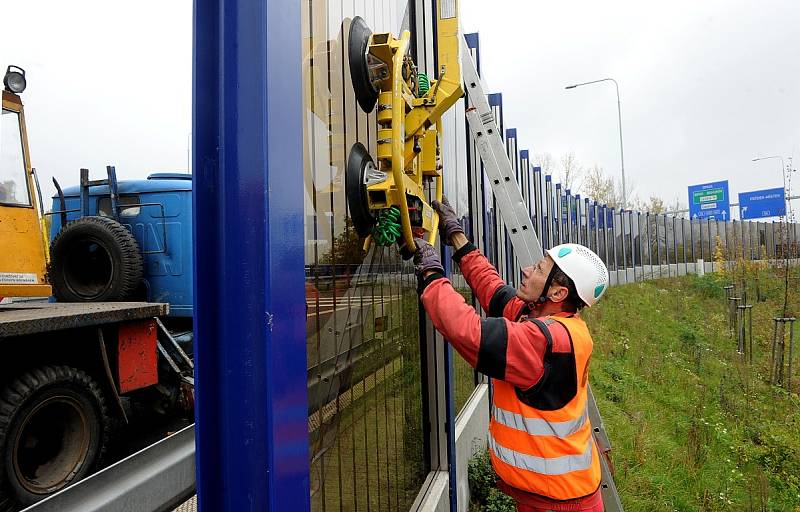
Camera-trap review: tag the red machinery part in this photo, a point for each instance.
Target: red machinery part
(137, 355)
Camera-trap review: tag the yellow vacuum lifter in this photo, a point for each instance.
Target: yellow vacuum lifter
(387, 200)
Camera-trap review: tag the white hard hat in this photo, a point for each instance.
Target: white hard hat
(584, 267)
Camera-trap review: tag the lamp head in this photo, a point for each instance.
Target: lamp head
(14, 80)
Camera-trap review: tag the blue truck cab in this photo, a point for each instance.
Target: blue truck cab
(158, 212)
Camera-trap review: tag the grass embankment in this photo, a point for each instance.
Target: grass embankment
(693, 426)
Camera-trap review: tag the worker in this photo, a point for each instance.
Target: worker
(536, 348)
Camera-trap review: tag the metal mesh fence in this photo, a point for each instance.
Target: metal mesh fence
(363, 339)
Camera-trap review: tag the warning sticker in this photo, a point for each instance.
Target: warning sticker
(17, 278)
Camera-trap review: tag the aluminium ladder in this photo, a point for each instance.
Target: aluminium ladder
(519, 227)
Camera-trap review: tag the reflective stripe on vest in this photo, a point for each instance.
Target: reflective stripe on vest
(543, 465)
(537, 426)
(549, 452)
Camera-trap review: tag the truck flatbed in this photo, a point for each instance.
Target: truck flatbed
(34, 317)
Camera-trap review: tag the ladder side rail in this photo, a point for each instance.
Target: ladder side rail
(498, 168)
(509, 199)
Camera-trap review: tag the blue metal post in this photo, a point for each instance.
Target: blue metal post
(587, 226)
(525, 183)
(449, 397)
(548, 185)
(559, 215)
(249, 308)
(537, 206)
(451, 427)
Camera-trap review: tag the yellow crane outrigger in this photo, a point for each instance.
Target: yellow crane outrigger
(387, 201)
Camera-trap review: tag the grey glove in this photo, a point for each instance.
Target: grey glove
(426, 258)
(448, 220)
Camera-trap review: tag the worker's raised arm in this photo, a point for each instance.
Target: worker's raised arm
(497, 347)
(495, 296)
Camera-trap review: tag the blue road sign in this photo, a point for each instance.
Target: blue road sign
(710, 201)
(762, 203)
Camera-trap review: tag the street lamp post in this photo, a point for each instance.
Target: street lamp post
(783, 175)
(619, 119)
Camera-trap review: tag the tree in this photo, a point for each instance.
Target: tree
(654, 205)
(347, 247)
(600, 187)
(544, 161)
(571, 172)
(678, 205)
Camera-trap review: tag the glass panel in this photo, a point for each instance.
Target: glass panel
(364, 370)
(13, 179)
(104, 206)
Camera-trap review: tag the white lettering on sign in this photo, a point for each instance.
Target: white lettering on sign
(708, 206)
(765, 197)
(17, 278)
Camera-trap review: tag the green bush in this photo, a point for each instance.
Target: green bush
(481, 477)
(709, 286)
(498, 501)
(483, 489)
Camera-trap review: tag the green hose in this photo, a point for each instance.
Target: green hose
(423, 85)
(387, 228)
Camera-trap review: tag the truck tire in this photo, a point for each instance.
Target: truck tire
(94, 259)
(54, 428)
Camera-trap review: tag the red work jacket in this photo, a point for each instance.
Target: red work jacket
(540, 435)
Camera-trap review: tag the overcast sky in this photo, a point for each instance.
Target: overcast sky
(705, 85)
(109, 82)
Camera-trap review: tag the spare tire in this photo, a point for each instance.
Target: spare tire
(94, 259)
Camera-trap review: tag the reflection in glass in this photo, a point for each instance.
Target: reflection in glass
(363, 343)
(13, 179)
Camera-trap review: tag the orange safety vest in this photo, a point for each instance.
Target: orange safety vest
(547, 452)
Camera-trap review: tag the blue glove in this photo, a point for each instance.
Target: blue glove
(426, 258)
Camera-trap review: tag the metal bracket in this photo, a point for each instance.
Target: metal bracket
(172, 352)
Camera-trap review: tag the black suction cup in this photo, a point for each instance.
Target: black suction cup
(366, 94)
(358, 163)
